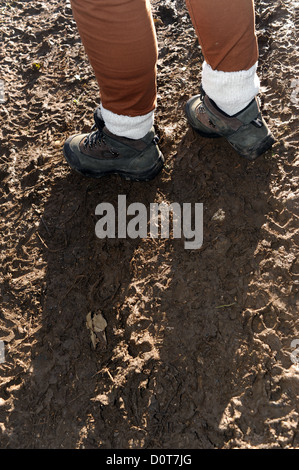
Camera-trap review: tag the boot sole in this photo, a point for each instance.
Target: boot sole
(266, 145)
(255, 153)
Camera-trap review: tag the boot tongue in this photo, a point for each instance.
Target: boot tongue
(98, 118)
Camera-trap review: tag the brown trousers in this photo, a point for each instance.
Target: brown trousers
(120, 41)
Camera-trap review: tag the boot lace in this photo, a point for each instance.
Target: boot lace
(96, 137)
(93, 138)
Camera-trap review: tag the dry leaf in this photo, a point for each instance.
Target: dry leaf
(99, 322)
(96, 325)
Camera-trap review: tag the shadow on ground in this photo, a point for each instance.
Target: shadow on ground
(177, 320)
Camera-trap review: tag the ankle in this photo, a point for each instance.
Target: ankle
(231, 91)
(132, 127)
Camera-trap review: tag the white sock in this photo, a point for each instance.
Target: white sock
(231, 91)
(132, 127)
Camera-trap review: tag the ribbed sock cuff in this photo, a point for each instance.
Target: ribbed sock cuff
(231, 91)
(132, 127)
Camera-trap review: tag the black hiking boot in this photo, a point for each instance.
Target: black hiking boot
(102, 153)
(246, 130)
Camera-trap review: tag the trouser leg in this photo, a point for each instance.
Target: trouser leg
(226, 33)
(120, 41)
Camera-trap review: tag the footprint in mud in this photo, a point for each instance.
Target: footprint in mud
(135, 349)
(265, 319)
(257, 324)
(167, 12)
(269, 318)
(31, 175)
(30, 179)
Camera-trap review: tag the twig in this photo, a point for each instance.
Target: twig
(45, 245)
(226, 305)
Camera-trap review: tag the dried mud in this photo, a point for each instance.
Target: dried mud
(198, 343)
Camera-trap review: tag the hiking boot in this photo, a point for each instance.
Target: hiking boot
(102, 153)
(246, 130)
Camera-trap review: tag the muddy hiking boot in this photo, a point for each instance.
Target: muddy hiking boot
(246, 130)
(102, 153)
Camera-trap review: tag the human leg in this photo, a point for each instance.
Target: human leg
(119, 39)
(226, 32)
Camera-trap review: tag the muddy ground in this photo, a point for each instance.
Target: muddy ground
(199, 343)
